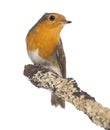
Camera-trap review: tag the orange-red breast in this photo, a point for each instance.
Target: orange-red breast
(44, 46)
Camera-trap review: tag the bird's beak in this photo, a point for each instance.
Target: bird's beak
(65, 22)
(68, 22)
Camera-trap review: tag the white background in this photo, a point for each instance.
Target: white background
(87, 47)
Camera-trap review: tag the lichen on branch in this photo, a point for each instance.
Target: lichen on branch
(68, 90)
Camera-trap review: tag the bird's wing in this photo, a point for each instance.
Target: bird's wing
(60, 55)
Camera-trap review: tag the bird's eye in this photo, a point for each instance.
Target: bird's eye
(52, 18)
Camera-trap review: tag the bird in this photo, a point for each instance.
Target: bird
(44, 47)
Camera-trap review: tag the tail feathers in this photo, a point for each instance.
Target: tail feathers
(57, 101)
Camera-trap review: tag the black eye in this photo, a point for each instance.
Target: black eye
(52, 18)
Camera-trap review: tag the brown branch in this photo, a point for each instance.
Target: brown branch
(68, 90)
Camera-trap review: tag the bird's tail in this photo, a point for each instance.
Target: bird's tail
(57, 101)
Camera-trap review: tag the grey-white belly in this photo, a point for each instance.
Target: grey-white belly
(51, 64)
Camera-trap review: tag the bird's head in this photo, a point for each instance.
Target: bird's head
(51, 22)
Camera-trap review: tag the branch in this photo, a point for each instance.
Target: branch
(69, 91)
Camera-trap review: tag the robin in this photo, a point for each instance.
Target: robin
(44, 46)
